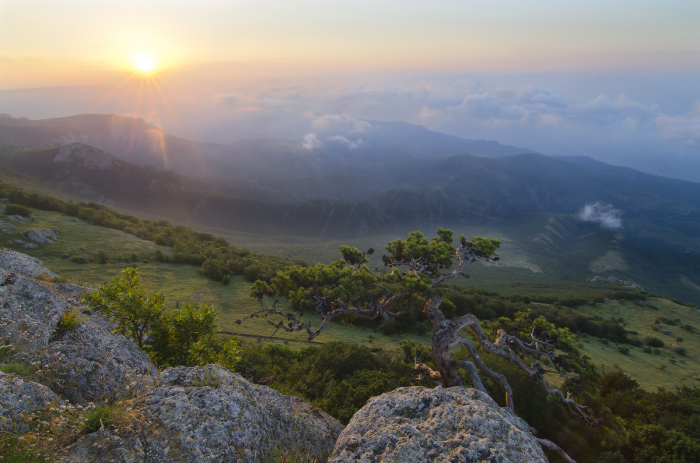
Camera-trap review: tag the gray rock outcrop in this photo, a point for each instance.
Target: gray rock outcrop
(207, 414)
(91, 363)
(41, 235)
(29, 311)
(19, 397)
(22, 264)
(414, 424)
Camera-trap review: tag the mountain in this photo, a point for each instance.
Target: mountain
(376, 149)
(531, 201)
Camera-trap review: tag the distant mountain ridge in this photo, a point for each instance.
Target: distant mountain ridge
(136, 141)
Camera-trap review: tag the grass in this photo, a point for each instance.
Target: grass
(638, 364)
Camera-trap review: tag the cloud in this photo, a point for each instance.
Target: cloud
(342, 123)
(350, 144)
(685, 129)
(603, 214)
(311, 142)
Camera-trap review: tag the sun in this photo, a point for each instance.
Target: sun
(144, 62)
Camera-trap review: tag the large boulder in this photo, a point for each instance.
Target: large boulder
(435, 425)
(18, 398)
(22, 264)
(91, 363)
(207, 414)
(41, 235)
(29, 311)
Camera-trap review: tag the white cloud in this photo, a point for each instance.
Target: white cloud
(350, 144)
(342, 123)
(603, 214)
(311, 142)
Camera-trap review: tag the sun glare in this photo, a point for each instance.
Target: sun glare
(143, 62)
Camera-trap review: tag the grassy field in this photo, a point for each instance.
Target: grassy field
(663, 369)
(181, 283)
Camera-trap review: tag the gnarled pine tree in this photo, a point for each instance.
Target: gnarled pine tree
(418, 266)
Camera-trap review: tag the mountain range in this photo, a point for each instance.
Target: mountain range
(399, 178)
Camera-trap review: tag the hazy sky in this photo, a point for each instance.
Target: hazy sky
(617, 80)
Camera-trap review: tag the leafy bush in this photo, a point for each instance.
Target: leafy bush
(17, 209)
(687, 327)
(102, 256)
(653, 342)
(680, 350)
(79, 259)
(183, 337)
(647, 350)
(69, 321)
(624, 350)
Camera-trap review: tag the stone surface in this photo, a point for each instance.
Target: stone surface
(29, 311)
(41, 235)
(106, 447)
(414, 424)
(85, 155)
(19, 397)
(22, 264)
(19, 218)
(91, 363)
(207, 414)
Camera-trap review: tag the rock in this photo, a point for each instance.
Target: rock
(86, 156)
(207, 414)
(22, 264)
(19, 397)
(106, 447)
(90, 363)
(29, 246)
(19, 218)
(6, 225)
(41, 235)
(29, 310)
(414, 424)
(666, 332)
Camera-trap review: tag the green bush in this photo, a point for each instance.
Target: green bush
(624, 350)
(647, 350)
(102, 256)
(680, 350)
(17, 209)
(69, 321)
(653, 342)
(79, 259)
(65, 256)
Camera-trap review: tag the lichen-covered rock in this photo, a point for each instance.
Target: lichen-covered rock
(414, 424)
(41, 235)
(22, 264)
(106, 447)
(207, 414)
(29, 311)
(91, 363)
(19, 397)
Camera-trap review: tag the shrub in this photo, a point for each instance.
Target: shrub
(17, 209)
(624, 350)
(65, 256)
(680, 350)
(79, 259)
(647, 350)
(69, 321)
(679, 339)
(653, 342)
(687, 327)
(102, 256)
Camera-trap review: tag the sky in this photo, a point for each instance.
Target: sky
(616, 80)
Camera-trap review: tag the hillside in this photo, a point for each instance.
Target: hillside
(532, 202)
